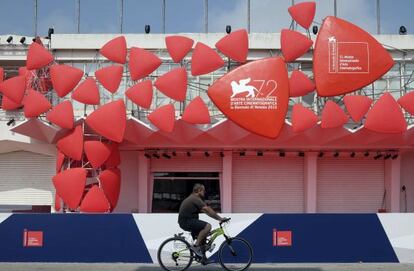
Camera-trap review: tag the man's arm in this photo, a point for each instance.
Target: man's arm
(211, 213)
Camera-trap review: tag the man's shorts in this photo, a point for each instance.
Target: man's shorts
(193, 225)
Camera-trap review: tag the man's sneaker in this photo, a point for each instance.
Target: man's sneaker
(197, 250)
(206, 261)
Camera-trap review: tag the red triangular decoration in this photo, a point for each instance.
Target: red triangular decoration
(109, 120)
(357, 106)
(38, 57)
(303, 13)
(178, 47)
(114, 158)
(142, 63)
(300, 84)
(1, 74)
(64, 78)
(72, 144)
(294, 44)
(87, 92)
(333, 116)
(163, 118)
(196, 112)
(35, 103)
(60, 158)
(62, 115)
(141, 94)
(96, 152)
(7, 104)
(204, 60)
(386, 116)
(69, 185)
(14, 88)
(302, 118)
(95, 201)
(110, 77)
(173, 84)
(57, 202)
(407, 102)
(110, 180)
(235, 45)
(115, 50)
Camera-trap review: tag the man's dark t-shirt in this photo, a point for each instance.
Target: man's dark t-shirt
(190, 208)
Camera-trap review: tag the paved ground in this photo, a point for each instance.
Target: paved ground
(261, 267)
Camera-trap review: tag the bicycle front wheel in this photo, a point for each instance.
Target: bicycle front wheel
(174, 254)
(235, 254)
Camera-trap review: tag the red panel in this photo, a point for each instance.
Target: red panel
(386, 116)
(87, 92)
(294, 44)
(300, 84)
(64, 78)
(62, 115)
(357, 106)
(72, 144)
(114, 158)
(69, 186)
(57, 202)
(14, 88)
(173, 84)
(35, 103)
(7, 104)
(115, 50)
(95, 201)
(109, 120)
(302, 118)
(347, 58)
(235, 45)
(60, 158)
(205, 60)
(110, 77)
(407, 102)
(178, 47)
(110, 180)
(303, 13)
(141, 94)
(97, 152)
(163, 118)
(38, 57)
(264, 80)
(196, 112)
(142, 63)
(333, 116)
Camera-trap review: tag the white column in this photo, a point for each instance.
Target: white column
(143, 181)
(393, 184)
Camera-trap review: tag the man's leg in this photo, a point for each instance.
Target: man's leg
(202, 235)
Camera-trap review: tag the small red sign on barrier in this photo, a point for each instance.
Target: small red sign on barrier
(32, 238)
(282, 238)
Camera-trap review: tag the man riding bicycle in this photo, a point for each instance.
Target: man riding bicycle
(188, 218)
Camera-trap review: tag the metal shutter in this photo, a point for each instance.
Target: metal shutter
(268, 184)
(181, 163)
(351, 185)
(26, 178)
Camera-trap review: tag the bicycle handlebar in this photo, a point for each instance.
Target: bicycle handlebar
(225, 220)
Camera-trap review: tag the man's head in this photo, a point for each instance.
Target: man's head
(199, 190)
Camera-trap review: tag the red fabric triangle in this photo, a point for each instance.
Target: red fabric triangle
(62, 115)
(60, 158)
(115, 50)
(333, 116)
(205, 60)
(163, 118)
(35, 103)
(196, 112)
(38, 57)
(142, 63)
(57, 202)
(64, 78)
(1, 74)
(95, 201)
(357, 106)
(7, 104)
(178, 47)
(109, 120)
(110, 180)
(96, 152)
(72, 144)
(141, 94)
(407, 102)
(173, 84)
(294, 44)
(110, 77)
(300, 84)
(386, 116)
(302, 118)
(87, 92)
(303, 13)
(235, 45)
(69, 185)
(14, 88)
(114, 158)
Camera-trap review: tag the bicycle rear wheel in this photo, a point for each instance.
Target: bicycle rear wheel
(174, 254)
(235, 254)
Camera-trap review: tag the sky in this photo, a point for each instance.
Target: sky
(185, 16)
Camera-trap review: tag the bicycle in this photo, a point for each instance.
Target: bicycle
(235, 253)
